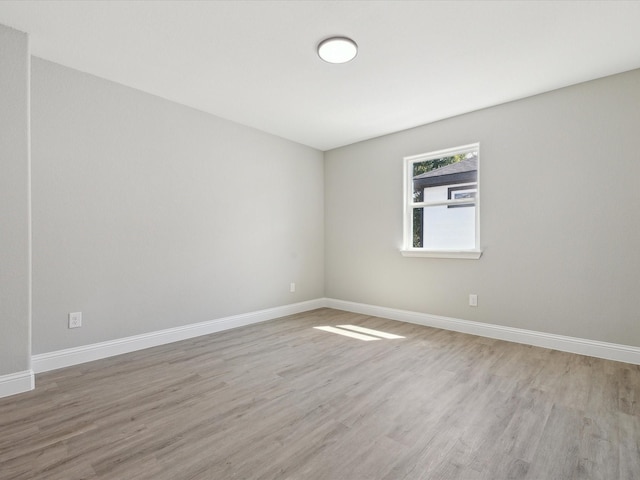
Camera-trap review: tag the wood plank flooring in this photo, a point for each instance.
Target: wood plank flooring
(282, 400)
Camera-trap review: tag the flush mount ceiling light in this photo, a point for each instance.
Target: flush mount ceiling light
(337, 50)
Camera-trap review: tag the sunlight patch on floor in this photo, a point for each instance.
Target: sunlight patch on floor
(361, 333)
(348, 333)
(370, 331)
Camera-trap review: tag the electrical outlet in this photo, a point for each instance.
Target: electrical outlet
(292, 287)
(473, 300)
(75, 320)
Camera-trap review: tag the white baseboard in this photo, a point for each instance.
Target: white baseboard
(14, 383)
(23, 381)
(592, 348)
(73, 356)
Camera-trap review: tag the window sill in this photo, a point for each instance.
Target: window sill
(467, 254)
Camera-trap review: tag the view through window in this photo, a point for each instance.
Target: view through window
(441, 203)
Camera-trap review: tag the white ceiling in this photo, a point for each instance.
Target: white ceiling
(254, 62)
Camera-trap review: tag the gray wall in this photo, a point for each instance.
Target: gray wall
(15, 281)
(150, 215)
(560, 221)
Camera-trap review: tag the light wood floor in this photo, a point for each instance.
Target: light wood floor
(281, 400)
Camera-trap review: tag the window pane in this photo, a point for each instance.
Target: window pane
(445, 228)
(446, 185)
(463, 192)
(417, 227)
(430, 177)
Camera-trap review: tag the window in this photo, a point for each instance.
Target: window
(442, 203)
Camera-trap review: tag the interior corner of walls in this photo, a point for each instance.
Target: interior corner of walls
(15, 383)
(15, 216)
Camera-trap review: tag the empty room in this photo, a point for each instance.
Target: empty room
(319, 240)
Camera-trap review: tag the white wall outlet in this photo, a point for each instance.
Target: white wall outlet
(473, 300)
(292, 287)
(75, 320)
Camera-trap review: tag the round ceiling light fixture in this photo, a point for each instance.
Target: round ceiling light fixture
(337, 50)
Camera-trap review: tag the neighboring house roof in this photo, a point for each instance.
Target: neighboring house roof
(463, 171)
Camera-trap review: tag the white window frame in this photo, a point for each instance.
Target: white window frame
(408, 250)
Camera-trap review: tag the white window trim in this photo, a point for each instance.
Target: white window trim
(407, 249)
(420, 252)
